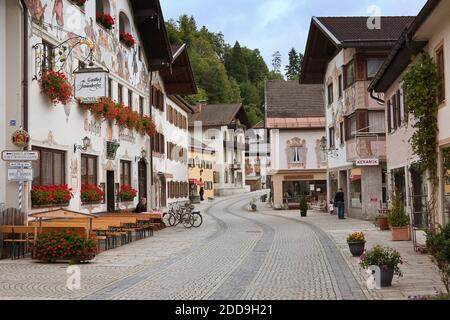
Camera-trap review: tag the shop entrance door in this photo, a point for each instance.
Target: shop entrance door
(110, 191)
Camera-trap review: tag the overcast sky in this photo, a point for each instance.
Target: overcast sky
(272, 25)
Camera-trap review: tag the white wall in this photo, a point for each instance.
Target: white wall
(3, 120)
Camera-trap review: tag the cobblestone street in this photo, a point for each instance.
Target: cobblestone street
(236, 254)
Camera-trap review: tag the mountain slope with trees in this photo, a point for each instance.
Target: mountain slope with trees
(225, 73)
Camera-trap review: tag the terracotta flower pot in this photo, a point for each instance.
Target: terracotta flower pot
(401, 234)
(383, 223)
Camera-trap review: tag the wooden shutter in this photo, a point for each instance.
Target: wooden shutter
(394, 112)
(362, 121)
(389, 118)
(399, 111)
(360, 66)
(347, 128)
(441, 72)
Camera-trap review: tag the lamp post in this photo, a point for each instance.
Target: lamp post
(331, 152)
(86, 144)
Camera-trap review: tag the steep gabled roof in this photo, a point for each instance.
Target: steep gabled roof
(215, 115)
(403, 51)
(329, 35)
(289, 99)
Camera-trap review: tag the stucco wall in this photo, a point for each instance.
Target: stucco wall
(2, 98)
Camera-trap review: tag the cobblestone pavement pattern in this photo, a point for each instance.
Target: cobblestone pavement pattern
(236, 254)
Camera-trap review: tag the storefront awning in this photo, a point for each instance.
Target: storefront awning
(197, 182)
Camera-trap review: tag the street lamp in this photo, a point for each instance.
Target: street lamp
(142, 157)
(84, 147)
(331, 152)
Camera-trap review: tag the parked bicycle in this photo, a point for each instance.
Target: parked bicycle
(183, 214)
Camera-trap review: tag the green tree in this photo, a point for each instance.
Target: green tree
(293, 69)
(236, 64)
(276, 62)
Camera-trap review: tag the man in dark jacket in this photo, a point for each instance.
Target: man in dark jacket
(339, 201)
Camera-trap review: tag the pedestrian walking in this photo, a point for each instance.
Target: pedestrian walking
(202, 193)
(331, 208)
(339, 201)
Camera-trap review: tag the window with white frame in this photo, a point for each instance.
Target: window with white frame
(297, 154)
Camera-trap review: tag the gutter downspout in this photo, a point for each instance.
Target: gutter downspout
(151, 144)
(376, 98)
(25, 67)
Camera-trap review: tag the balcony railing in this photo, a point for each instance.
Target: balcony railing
(369, 146)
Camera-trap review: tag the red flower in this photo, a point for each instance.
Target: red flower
(56, 86)
(91, 193)
(127, 39)
(127, 193)
(106, 20)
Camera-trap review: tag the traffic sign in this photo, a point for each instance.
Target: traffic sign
(18, 165)
(20, 174)
(20, 155)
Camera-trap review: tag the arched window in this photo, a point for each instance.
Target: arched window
(102, 6)
(124, 23)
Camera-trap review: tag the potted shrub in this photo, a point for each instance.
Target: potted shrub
(398, 219)
(356, 243)
(387, 259)
(91, 194)
(64, 245)
(438, 245)
(56, 87)
(105, 20)
(57, 195)
(127, 39)
(127, 193)
(383, 220)
(303, 206)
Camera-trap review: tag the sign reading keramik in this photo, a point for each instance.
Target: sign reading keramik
(90, 85)
(367, 162)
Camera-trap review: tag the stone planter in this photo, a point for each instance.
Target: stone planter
(387, 275)
(357, 248)
(401, 234)
(383, 223)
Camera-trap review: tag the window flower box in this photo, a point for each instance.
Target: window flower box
(127, 194)
(63, 246)
(56, 87)
(127, 39)
(91, 194)
(105, 20)
(51, 196)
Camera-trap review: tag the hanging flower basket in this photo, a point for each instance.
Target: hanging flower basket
(64, 245)
(148, 126)
(56, 86)
(127, 39)
(91, 194)
(105, 20)
(123, 115)
(127, 193)
(50, 195)
(133, 119)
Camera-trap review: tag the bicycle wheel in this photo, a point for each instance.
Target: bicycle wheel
(198, 220)
(173, 220)
(166, 219)
(187, 220)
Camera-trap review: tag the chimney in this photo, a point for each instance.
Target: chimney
(201, 105)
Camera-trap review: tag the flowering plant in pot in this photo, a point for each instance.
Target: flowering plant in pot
(127, 39)
(387, 259)
(438, 245)
(123, 115)
(148, 126)
(91, 194)
(56, 86)
(63, 245)
(105, 20)
(133, 119)
(127, 193)
(50, 195)
(356, 243)
(398, 219)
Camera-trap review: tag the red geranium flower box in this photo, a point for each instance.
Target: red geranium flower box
(127, 193)
(127, 39)
(105, 20)
(56, 86)
(50, 195)
(91, 194)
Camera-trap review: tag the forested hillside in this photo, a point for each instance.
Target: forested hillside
(226, 73)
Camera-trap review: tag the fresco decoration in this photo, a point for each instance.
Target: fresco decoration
(350, 100)
(296, 143)
(319, 153)
(54, 17)
(248, 168)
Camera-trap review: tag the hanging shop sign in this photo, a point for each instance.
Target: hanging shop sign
(367, 162)
(20, 155)
(20, 138)
(90, 85)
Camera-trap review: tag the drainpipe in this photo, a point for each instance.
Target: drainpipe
(151, 144)
(376, 98)
(25, 67)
